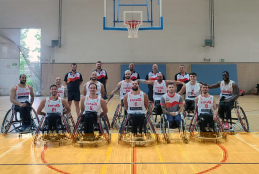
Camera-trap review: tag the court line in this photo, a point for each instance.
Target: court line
(129, 163)
(244, 141)
(108, 155)
(161, 159)
(9, 150)
(133, 159)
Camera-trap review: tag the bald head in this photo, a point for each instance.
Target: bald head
(155, 67)
(94, 76)
(131, 66)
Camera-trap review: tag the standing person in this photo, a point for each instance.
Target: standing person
(62, 90)
(182, 76)
(172, 105)
(101, 76)
(100, 87)
(73, 80)
(229, 93)
(134, 74)
(136, 104)
(152, 76)
(192, 90)
(19, 96)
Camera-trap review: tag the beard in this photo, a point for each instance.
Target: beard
(74, 70)
(134, 88)
(204, 92)
(159, 80)
(93, 78)
(127, 77)
(131, 69)
(21, 82)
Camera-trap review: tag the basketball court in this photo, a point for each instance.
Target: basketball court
(42, 38)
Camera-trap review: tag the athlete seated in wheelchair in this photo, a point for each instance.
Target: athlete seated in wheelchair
(92, 118)
(22, 98)
(53, 120)
(206, 115)
(136, 103)
(172, 106)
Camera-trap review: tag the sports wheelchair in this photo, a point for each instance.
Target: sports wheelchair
(154, 110)
(188, 114)
(100, 125)
(217, 134)
(167, 129)
(240, 121)
(60, 135)
(118, 116)
(12, 122)
(126, 136)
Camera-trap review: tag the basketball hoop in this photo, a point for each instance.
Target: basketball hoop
(133, 26)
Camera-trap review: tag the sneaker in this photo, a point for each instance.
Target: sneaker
(226, 125)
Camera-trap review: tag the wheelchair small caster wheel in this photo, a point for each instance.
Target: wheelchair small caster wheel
(20, 135)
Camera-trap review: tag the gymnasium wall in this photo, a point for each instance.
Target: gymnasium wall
(186, 26)
(247, 73)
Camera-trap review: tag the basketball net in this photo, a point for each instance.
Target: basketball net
(133, 26)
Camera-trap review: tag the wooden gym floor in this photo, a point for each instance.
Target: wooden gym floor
(239, 154)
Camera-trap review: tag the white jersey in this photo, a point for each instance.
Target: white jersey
(205, 105)
(93, 105)
(136, 103)
(192, 91)
(54, 106)
(159, 89)
(61, 91)
(98, 90)
(22, 94)
(125, 88)
(226, 90)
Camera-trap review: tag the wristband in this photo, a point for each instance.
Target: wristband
(141, 80)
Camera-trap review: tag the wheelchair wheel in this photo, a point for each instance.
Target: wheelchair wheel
(116, 115)
(35, 119)
(107, 121)
(242, 118)
(66, 124)
(104, 129)
(150, 108)
(193, 123)
(7, 122)
(71, 120)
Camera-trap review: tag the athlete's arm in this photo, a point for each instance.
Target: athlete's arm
(125, 101)
(104, 107)
(217, 85)
(175, 82)
(84, 90)
(114, 91)
(65, 93)
(195, 106)
(183, 89)
(40, 108)
(83, 105)
(102, 90)
(214, 109)
(150, 82)
(32, 95)
(12, 98)
(65, 104)
(162, 103)
(235, 92)
(146, 102)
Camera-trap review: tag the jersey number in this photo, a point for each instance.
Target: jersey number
(127, 91)
(54, 109)
(206, 106)
(91, 107)
(136, 103)
(159, 90)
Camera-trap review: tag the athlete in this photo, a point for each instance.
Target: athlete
(92, 106)
(124, 86)
(62, 90)
(182, 76)
(136, 103)
(228, 95)
(53, 106)
(20, 97)
(159, 89)
(205, 106)
(134, 74)
(172, 105)
(100, 88)
(192, 90)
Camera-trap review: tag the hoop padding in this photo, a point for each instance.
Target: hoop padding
(133, 26)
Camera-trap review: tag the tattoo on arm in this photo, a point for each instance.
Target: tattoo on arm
(164, 110)
(113, 92)
(110, 97)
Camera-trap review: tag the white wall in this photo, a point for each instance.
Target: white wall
(186, 26)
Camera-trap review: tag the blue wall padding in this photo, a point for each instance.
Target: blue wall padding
(143, 70)
(211, 74)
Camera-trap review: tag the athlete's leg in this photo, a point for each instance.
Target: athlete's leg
(76, 101)
(228, 109)
(134, 123)
(89, 119)
(177, 119)
(140, 122)
(221, 110)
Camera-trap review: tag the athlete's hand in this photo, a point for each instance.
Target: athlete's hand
(173, 113)
(226, 101)
(23, 105)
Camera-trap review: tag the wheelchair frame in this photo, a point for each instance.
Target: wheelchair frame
(100, 125)
(165, 129)
(13, 120)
